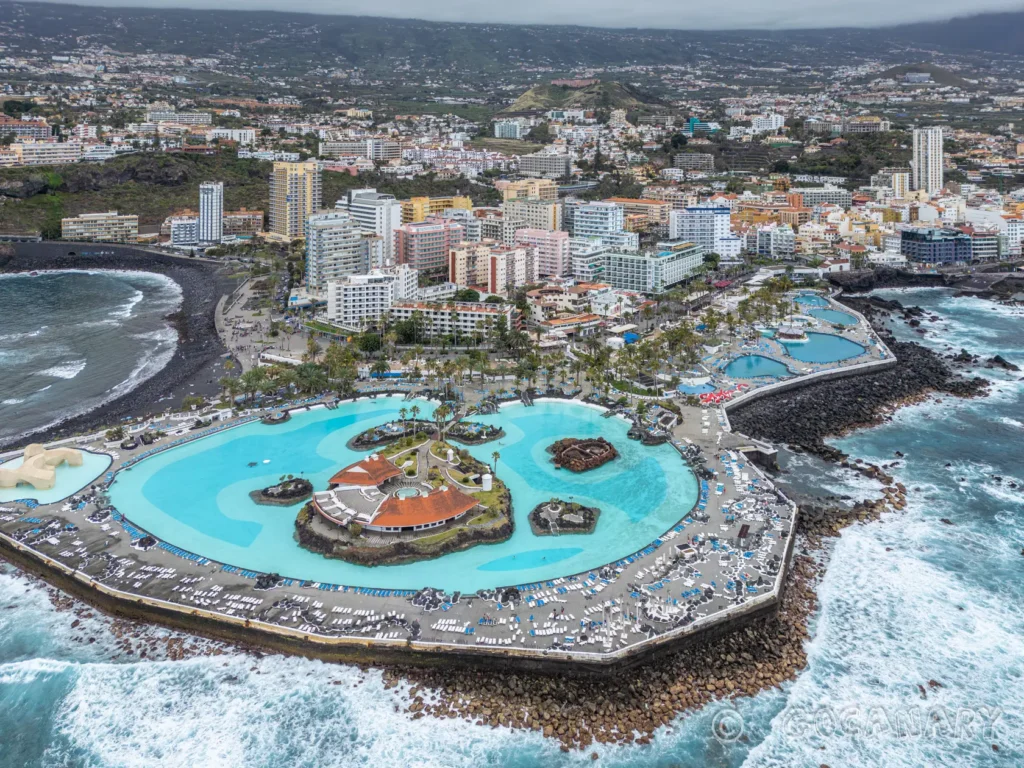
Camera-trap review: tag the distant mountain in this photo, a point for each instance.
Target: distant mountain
(610, 95)
(296, 43)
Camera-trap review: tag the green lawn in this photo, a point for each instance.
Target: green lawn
(507, 146)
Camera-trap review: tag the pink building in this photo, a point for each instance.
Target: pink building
(424, 245)
(551, 247)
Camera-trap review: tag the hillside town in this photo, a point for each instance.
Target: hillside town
(562, 205)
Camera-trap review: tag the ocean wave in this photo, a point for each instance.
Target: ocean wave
(24, 335)
(125, 310)
(892, 621)
(31, 670)
(64, 370)
(12, 401)
(231, 711)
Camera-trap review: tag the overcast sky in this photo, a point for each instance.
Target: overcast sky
(678, 14)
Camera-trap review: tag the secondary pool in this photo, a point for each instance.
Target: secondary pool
(754, 366)
(67, 482)
(833, 316)
(196, 496)
(811, 300)
(696, 389)
(823, 348)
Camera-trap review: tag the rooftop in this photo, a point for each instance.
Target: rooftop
(371, 471)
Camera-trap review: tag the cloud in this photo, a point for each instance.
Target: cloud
(663, 14)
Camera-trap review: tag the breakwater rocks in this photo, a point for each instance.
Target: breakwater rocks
(887, 277)
(285, 493)
(557, 516)
(198, 343)
(385, 434)
(631, 705)
(579, 455)
(472, 433)
(805, 417)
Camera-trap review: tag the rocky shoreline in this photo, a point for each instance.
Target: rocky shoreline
(199, 345)
(805, 417)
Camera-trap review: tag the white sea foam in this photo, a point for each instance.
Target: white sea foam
(12, 401)
(125, 310)
(232, 711)
(24, 335)
(64, 370)
(29, 671)
(890, 622)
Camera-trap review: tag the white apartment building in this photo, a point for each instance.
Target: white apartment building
(211, 212)
(82, 131)
(928, 160)
(245, 137)
(767, 123)
(358, 301)
(604, 221)
(335, 248)
(178, 118)
(184, 231)
(508, 129)
(462, 318)
(98, 152)
(587, 256)
(48, 152)
(545, 165)
(377, 213)
(109, 227)
(709, 226)
(652, 272)
(775, 240)
(551, 249)
(373, 149)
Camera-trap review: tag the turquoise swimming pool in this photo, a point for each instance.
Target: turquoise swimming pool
(753, 366)
(823, 348)
(811, 300)
(196, 495)
(833, 316)
(68, 480)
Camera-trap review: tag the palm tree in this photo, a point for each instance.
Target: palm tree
(441, 414)
(403, 413)
(380, 367)
(415, 411)
(310, 378)
(495, 456)
(312, 350)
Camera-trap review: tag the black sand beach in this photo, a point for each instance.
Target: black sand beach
(198, 358)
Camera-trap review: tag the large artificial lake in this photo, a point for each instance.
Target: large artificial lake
(196, 496)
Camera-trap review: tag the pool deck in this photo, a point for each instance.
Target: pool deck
(698, 578)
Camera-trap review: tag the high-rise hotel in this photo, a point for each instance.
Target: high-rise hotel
(294, 196)
(927, 162)
(211, 212)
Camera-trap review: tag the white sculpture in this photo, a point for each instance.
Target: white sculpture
(39, 467)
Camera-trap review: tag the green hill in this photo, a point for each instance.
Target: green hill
(940, 76)
(610, 95)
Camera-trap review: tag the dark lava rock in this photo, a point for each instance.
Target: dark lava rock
(999, 362)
